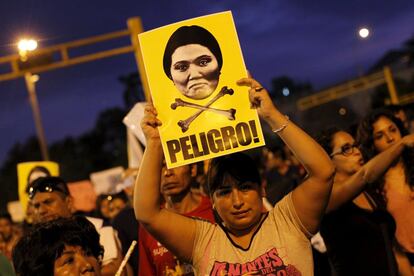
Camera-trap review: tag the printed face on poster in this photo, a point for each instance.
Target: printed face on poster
(27, 172)
(192, 67)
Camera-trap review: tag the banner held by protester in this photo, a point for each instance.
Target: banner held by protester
(192, 67)
(27, 172)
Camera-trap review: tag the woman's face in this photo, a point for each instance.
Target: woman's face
(385, 133)
(194, 71)
(115, 206)
(347, 158)
(239, 205)
(104, 208)
(75, 261)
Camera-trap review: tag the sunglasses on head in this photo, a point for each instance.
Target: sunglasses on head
(47, 187)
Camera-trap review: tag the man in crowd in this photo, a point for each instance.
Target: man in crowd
(51, 200)
(8, 237)
(175, 186)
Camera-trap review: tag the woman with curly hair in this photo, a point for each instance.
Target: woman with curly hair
(376, 133)
(357, 229)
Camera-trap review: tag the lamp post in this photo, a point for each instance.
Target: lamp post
(25, 46)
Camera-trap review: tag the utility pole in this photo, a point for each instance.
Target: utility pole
(30, 85)
(59, 56)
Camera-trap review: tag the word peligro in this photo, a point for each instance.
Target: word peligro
(214, 141)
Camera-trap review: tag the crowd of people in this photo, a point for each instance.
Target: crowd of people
(339, 202)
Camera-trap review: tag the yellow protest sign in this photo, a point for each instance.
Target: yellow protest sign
(29, 171)
(192, 67)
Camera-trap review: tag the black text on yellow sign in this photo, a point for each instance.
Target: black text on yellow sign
(214, 141)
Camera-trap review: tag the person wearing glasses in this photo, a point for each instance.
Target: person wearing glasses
(51, 200)
(381, 130)
(357, 230)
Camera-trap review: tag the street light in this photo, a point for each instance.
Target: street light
(25, 46)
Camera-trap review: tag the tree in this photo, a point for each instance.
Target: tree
(101, 148)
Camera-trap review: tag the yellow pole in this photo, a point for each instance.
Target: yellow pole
(135, 27)
(30, 84)
(391, 85)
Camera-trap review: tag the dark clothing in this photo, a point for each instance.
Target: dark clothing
(410, 257)
(280, 185)
(359, 242)
(127, 226)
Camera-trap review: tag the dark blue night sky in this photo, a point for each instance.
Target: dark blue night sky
(311, 41)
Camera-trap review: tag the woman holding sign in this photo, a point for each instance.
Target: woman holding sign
(246, 240)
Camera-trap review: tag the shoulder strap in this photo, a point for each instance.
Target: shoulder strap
(371, 201)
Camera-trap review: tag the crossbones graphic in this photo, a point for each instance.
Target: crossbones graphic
(185, 124)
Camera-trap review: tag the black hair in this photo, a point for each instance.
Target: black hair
(365, 130)
(35, 253)
(190, 35)
(395, 108)
(278, 150)
(238, 165)
(365, 138)
(325, 138)
(6, 215)
(56, 183)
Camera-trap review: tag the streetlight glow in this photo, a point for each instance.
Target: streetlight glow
(27, 45)
(363, 32)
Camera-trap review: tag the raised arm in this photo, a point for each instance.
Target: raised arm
(311, 197)
(369, 173)
(179, 235)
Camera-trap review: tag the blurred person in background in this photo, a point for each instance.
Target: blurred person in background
(357, 229)
(400, 112)
(109, 205)
(35, 173)
(102, 207)
(280, 175)
(376, 133)
(8, 235)
(6, 267)
(179, 197)
(65, 246)
(125, 222)
(51, 200)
